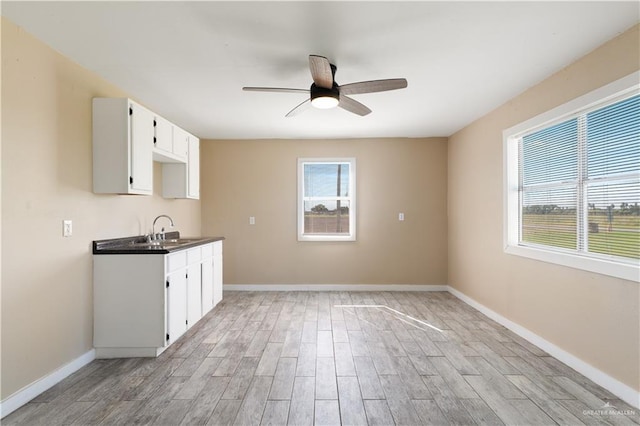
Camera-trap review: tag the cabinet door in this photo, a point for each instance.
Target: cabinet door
(194, 294)
(217, 276)
(207, 285)
(176, 305)
(193, 168)
(141, 145)
(180, 142)
(163, 134)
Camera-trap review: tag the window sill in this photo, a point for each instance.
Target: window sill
(629, 271)
(326, 238)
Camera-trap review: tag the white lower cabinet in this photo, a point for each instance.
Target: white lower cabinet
(145, 302)
(176, 305)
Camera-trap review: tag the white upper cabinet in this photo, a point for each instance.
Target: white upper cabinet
(180, 143)
(193, 168)
(183, 180)
(170, 142)
(122, 147)
(127, 138)
(163, 135)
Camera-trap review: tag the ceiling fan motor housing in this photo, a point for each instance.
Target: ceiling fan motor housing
(322, 92)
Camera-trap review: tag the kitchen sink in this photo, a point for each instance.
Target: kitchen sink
(164, 243)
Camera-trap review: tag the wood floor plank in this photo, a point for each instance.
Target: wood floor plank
(301, 410)
(358, 343)
(239, 383)
(324, 343)
(269, 360)
(497, 381)
(275, 413)
(225, 412)
(370, 386)
(253, 404)
(452, 378)
(306, 359)
(344, 359)
(542, 399)
(198, 380)
(326, 387)
(450, 405)
(291, 344)
(481, 413)
(378, 413)
(399, 401)
(411, 378)
(202, 408)
(429, 412)
(309, 331)
(327, 413)
(283, 379)
(500, 405)
(351, 406)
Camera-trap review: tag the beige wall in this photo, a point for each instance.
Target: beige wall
(592, 316)
(47, 314)
(258, 178)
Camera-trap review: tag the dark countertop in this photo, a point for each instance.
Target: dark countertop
(138, 245)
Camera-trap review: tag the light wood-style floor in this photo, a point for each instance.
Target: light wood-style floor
(330, 358)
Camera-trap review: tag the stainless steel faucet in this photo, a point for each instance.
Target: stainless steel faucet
(159, 236)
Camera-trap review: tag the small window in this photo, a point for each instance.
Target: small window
(326, 199)
(573, 183)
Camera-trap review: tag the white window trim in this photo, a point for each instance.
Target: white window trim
(623, 87)
(352, 206)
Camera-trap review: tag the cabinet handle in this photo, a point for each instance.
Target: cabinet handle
(154, 140)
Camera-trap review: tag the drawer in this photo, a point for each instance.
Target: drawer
(176, 261)
(194, 255)
(207, 251)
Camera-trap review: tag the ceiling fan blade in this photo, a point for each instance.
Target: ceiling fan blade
(373, 86)
(301, 107)
(321, 71)
(353, 106)
(274, 89)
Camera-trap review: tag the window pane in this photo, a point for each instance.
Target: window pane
(326, 217)
(549, 217)
(614, 218)
(326, 180)
(613, 139)
(551, 154)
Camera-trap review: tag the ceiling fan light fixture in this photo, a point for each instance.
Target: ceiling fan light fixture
(324, 98)
(325, 102)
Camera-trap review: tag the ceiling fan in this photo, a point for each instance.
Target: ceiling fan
(325, 93)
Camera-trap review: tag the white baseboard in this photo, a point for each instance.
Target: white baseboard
(616, 387)
(34, 389)
(334, 287)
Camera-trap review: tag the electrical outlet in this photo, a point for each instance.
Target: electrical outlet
(252, 220)
(400, 217)
(67, 228)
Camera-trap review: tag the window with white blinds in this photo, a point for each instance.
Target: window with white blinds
(326, 199)
(573, 184)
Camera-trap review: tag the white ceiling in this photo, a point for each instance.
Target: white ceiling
(189, 60)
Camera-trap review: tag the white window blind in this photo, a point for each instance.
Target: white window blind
(579, 182)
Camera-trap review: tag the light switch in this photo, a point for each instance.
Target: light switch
(67, 228)
(252, 220)
(400, 217)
